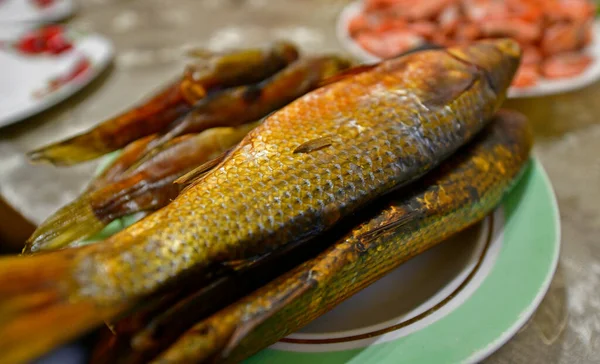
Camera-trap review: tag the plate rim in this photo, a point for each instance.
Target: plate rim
(57, 12)
(70, 89)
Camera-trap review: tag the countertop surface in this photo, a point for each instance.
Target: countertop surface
(150, 37)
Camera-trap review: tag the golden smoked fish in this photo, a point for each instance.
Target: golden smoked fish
(461, 192)
(318, 159)
(147, 187)
(170, 103)
(247, 103)
(235, 106)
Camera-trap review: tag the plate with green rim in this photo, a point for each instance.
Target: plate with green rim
(456, 303)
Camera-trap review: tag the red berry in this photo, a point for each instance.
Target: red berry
(58, 44)
(31, 44)
(51, 31)
(43, 3)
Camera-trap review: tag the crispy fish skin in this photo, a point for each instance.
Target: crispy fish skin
(130, 192)
(169, 104)
(246, 103)
(387, 127)
(460, 193)
(235, 68)
(147, 187)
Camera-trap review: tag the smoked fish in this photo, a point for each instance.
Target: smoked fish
(461, 192)
(172, 102)
(148, 186)
(134, 189)
(247, 103)
(318, 159)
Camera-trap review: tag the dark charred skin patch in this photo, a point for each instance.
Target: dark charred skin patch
(482, 70)
(252, 93)
(473, 193)
(451, 89)
(423, 47)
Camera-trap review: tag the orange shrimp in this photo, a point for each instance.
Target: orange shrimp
(389, 44)
(571, 10)
(425, 9)
(527, 75)
(358, 24)
(531, 55)
(565, 65)
(425, 29)
(563, 37)
(467, 32)
(449, 19)
(522, 31)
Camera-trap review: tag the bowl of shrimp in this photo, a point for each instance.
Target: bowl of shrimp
(560, 38)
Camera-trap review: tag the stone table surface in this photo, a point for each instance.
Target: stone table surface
(150, 37)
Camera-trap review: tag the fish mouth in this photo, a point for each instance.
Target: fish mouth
(497, 60)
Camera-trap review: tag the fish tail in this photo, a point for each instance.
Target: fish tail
(71, 151)
(150, 117)
(73, 222)
(36, 313)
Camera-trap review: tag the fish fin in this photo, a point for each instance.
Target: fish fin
(197, 173)
(314, 144)
(242, 264)
(152, 152)
(356, 70)
(241, 331)
(36, 311)
(393, 224)
(114, 171)
(77, 149)
(71, 223)
(423, 47)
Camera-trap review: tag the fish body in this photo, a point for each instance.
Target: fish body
(236, 68)
(247, 103)
(146, 187)
(461, 192)
(172, 102)
(148, 166)
(386, 127)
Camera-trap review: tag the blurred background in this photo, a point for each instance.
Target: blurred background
(114, 52)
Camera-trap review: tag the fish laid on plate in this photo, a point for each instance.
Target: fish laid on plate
(147, 187)
(454, 196)
(118, 192)
(308, 165)
(461, 192)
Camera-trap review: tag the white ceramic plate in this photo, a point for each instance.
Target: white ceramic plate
(17, 11)
(542, 88)
(22, 76)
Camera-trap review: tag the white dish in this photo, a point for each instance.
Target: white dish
(542, 88)
(22, 76)
(15, 11)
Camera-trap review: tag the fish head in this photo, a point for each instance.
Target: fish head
(286, 51)
(498, 59)
(437, 77)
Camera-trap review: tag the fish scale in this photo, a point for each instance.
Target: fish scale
(450, 97)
